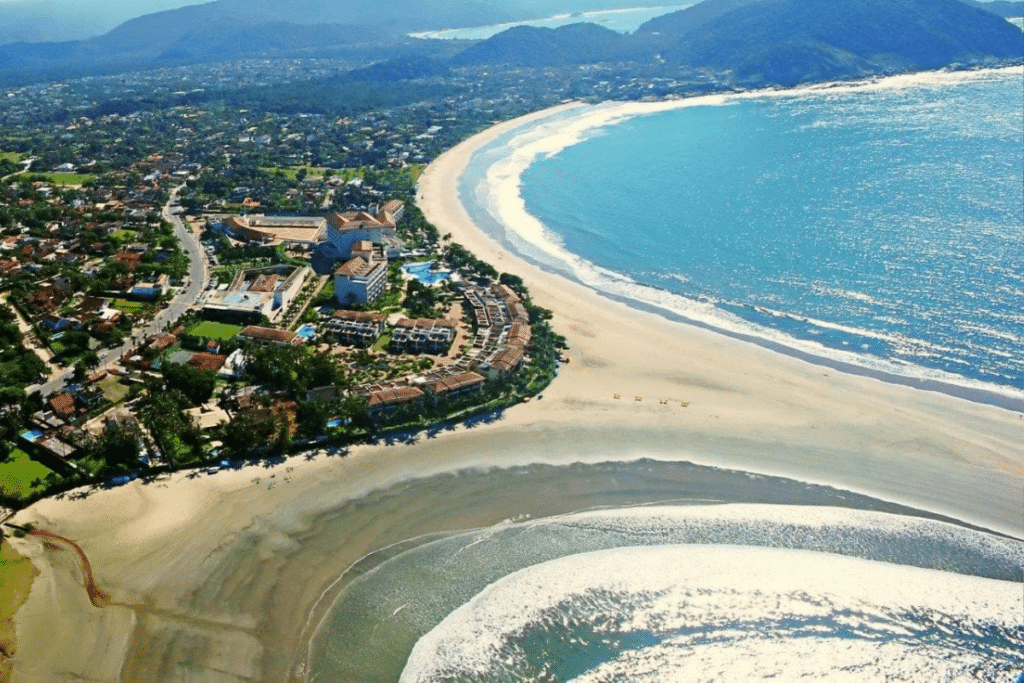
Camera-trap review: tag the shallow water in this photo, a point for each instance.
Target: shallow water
(392, 600)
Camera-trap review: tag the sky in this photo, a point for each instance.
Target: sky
(52, 20)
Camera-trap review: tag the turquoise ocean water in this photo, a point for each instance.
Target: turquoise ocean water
(878, 226)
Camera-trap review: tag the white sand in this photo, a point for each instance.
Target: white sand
(223, 572)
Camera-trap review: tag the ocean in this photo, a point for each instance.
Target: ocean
(621, 20)
(674, 572)
(875, 226)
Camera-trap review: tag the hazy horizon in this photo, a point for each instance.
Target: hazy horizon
(59, 20)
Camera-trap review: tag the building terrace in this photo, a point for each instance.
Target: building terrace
(356, 328)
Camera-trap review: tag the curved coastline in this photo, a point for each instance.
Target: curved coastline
(222, 572)
(493, 200)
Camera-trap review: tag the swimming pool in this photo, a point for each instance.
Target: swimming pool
(32, 435)
(423, 273)
(307, 331)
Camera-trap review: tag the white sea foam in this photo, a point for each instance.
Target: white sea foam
(731, 613)
(500, 195)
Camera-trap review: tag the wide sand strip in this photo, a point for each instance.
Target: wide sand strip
(213, 578)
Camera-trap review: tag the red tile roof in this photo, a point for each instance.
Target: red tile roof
(207, 361)
(63, 404)
(268, 334)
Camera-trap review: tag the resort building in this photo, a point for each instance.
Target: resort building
(360, 281)
(456, 385)
(268, 335)
(422, 335)
(356, 328)
(345, 229)
(385, 401)
(256, 292)
(306, 231)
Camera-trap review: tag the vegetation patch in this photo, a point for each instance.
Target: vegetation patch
(21, 477)
(13, 157)
(113, 389)
(70, 178)
(210, 329)
(16, 576)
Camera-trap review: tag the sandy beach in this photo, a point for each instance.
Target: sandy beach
(214, 578)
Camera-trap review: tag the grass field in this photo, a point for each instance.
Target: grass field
(125, 235)
(70, 178)
(113, 390)
(214, 330)
(11, 156)
(18, 472)
(126, 306)
(290, 172)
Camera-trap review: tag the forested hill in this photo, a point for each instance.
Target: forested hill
(793, 41)
(782, 42)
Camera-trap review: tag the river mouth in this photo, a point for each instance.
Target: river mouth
(389, 600)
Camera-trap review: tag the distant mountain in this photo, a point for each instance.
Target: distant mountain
(231, 29)
(792, 41)
(780, 42)
(533, 46)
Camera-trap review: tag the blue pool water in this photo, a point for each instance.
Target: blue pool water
(423, 273)
(307, 331)
(32, 435)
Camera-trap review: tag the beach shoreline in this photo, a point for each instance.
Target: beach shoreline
(547, 133)
(215, 577)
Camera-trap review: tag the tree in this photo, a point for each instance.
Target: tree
(195, 385)
(312, 417)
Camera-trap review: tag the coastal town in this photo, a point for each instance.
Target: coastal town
(182, 289)
(300, 382)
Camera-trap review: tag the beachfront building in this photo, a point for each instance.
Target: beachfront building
(299, 230)
(450, 386)
(384, 401)
(356, 328)
(268, 335)
(423, 335)
(256, 292)
(360, 280)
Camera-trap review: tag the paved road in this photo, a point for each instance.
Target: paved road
(198, 277)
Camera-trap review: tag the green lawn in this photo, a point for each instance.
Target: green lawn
(18, 472)
(70, 178)
(382, 342)
(215, 330)
(113, 389)
(126, 306)
(11, 156)
(290, 172)
(123, 235)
